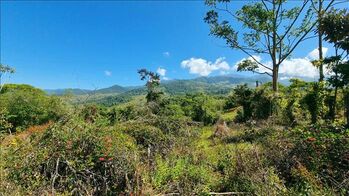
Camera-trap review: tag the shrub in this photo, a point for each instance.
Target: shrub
(247, 171)
(5, 125)
(323, 150)
(315, 101)
(182, 175)
(28, 106)
(256, 104)
(73, 157)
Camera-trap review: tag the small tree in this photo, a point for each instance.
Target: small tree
(273, 30)
(153, 82)
(335, 27)
(3, 70)
(314, 100)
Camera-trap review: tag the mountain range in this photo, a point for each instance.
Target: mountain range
(201, 84)
(118, 94)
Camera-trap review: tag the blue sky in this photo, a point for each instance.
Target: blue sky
(98, 44)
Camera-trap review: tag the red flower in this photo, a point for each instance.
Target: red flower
(101, 158)
(311, 139)
(110, 159)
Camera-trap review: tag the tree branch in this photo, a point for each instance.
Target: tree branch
(297, 43)
(294, 21)
(265, 5)
(250, 55)
(54, 177)
(238, 18)
(263, 73)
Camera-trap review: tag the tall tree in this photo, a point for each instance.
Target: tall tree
(335, 27)
(320, 8)
(153, 83)
(3, 70)
(272, 30)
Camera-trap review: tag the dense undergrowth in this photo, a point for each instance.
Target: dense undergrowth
(251, 142)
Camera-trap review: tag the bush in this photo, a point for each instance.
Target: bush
(315, 101)
(256, 103)
(311, 159)
(245, 170)
(26, 106)
(5, 125)
(183, 176)
(294, 110)
(73, 157)
(146, 136)
(323, 150)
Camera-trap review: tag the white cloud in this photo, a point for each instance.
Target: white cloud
(165, 78)
(315, 53)
(166, 54)
(293, 67)
(107, 73)
(203, 67)
(298, 67)
(258, 58)
(161, 71)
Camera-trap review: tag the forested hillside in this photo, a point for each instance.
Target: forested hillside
(219, 85)
(223, 135)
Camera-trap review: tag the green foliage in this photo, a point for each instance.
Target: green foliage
(245, 171)
(243, 96)
(247, 65)
(335, 27)
(26, 106)
(153, 82)
(315, 101)
(5, 125)
(294, 112)
(322, 150)
(339, 71)
(6, 69)
(275, 143)
(73, 157)
(182, 175)
(130, 149)
(147, 136)
(3, 70)
(205, 109)
(255, 103)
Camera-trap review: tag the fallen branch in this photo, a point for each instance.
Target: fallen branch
(54, 177)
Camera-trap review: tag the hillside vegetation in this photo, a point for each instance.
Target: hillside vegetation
(207, 136)
(245, 143)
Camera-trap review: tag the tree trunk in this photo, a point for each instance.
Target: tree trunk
(334, 103)
(275, 78)
(336, 87)
(321, 67)
(346, 102)
(273, 55)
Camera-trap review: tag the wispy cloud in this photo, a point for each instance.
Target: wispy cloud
(107, 73)
(161, 71)
(203, 67)
(166, 54)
